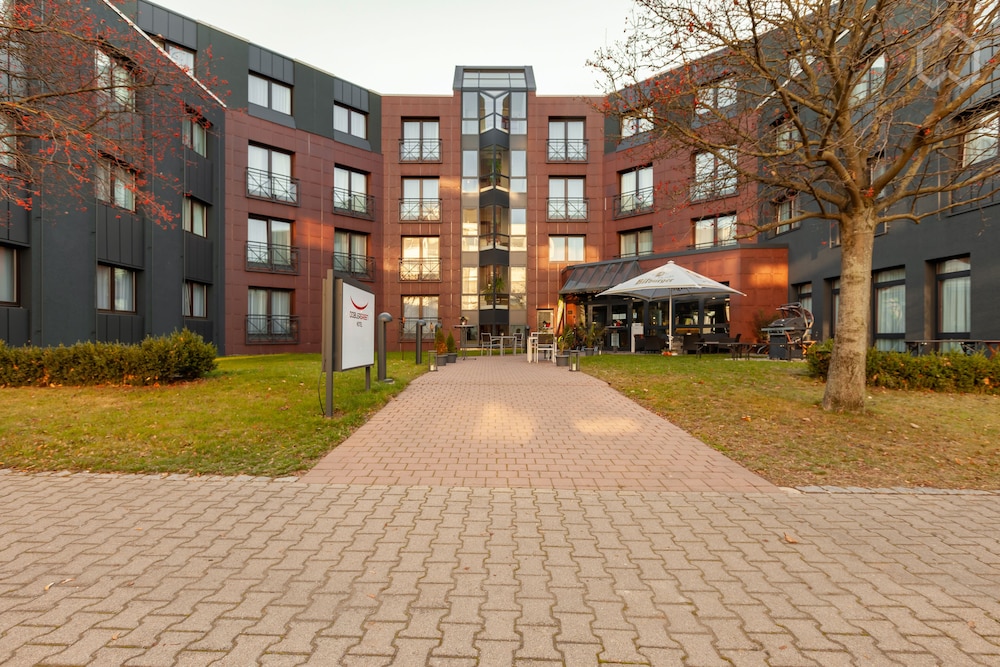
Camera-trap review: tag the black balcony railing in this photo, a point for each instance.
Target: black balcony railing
(494, 180)
(420, 210)
(633, 203)
(567, 209)
(355, 266)
(272, 258)
(276, 187)
(419, 150)
(495, 300)
(354, 204)
(420, 269)
(567, 150)
(272, 329)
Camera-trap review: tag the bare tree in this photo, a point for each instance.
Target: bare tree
(89, 105)
(866, 111)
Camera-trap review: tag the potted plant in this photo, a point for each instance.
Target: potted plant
(595, 338)
(564, 344)
(440, 346)
(451, 348)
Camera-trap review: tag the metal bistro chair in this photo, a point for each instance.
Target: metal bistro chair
(547, 345)
(488, 343)
(518, 342)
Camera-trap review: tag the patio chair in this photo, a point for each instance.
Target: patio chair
(488, 343)
(518, 342)
(546, 347)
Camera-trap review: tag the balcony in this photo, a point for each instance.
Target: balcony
(420, 210)
(361, 267)
(276, 187)
(567, 150)
(354, 204)
(494, 241)
(420, 270)
(633, 203)
(271, 258)
(272, 329)
(496, 301)
(573, 209)
(419, 150)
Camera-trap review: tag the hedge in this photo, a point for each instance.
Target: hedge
(181, 356)
(951, 372)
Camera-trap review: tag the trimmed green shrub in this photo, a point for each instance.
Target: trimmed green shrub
(181, 356)
(951, 372)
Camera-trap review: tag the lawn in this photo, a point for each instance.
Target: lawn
(263, 416)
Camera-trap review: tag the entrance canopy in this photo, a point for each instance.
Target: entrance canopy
(599, 276)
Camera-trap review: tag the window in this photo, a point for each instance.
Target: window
(115, 184)
(636, 242)
(350, 193)
(785, 210)
(195, 299)
(980, 143)
(518, 171)
(716, 97)
(518, 296)
(786, 136)
(566, 248)
(269, 246)
(631, 125)
(877, 166)
(8, 275)
(420, 200)
(566, 200)
(715, 231)
(8, 142)
(834, 305)
(269, 316)
(350, 121)
(350, 254)
(636, 192)
(566, 141)
(871, 81)
(270, 94)
(116, 81)
(470, 229)
(421, 258)
(954, 300)
(714, 175)
(419, 308)
(269, 175)
(421, 141)
(194, 217)
(194, 135)
(890, 310)
(115, 289)
(470, 287)
(181, 56)
(804, 295)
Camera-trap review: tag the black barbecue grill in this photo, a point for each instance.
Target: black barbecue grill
(787, 333)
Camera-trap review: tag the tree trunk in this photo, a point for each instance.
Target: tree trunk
(845, 384)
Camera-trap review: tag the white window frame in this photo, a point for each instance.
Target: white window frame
(567, 248)
(634, 124)
(268, 93)
(350, 121)
(870, 81)
(982, 142)
(714, 175)
(185, 58)
(718, 96)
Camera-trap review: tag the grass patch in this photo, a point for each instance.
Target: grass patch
(260, 415)
(766, 416)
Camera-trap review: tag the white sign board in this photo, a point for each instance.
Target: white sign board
(354, 337)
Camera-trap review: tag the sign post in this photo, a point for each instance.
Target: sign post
(348, 329)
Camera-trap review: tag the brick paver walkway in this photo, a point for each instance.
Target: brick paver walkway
(499, 421)
(174, 570)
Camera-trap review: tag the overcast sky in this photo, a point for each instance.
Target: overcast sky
(413, 46)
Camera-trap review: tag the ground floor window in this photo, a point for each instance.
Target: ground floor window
(419, 308)
(954, 300)
(195, 299)
(269, 316)
(8, 275)
(115, 289)
(890, 310)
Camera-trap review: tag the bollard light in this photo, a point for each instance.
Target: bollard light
(574, 360)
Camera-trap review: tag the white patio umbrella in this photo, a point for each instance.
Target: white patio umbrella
(666, 283)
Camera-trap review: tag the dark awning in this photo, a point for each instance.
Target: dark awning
(597, 277)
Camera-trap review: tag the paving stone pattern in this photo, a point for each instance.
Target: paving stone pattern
(612, 570)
